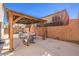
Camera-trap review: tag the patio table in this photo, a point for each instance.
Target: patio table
(27, 38)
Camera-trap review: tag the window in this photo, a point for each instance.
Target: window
(57, 20)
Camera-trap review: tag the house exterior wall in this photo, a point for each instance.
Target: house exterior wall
(62, 14)
(2, 20)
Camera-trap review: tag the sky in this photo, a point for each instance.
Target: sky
(40, 10)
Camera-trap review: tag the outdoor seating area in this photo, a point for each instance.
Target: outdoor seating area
(27, 37)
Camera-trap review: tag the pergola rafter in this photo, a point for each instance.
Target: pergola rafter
(17, 19)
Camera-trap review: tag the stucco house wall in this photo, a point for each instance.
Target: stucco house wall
(62, 14)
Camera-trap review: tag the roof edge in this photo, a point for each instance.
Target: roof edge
(56, 13)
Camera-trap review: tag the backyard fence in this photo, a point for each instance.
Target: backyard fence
(67, 33)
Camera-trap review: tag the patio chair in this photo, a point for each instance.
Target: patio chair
(32, 37)
(24, 38)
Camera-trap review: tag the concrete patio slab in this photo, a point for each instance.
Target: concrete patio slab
(48, 47)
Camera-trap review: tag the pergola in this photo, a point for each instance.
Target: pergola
(17, 17)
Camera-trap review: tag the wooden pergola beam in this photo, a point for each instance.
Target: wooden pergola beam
(21, 14)
(17, 19)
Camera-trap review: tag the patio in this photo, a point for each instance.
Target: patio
(48, 47)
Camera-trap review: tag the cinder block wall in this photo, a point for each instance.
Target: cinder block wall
(67, 33)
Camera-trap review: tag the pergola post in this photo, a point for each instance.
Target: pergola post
(11, 30)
